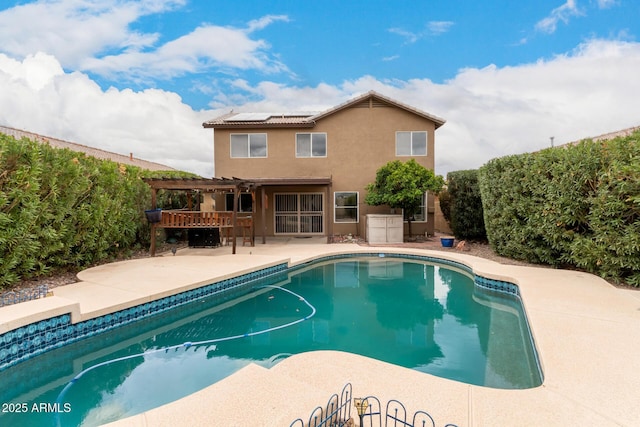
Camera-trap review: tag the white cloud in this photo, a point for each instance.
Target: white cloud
(407, 35)
(439, 27)
(605, 4)
(492, 112)
(207, 47)
(265, 21)
(152, 124)
(562, 13)
(73, 30)
(433, 28)
(96, 36)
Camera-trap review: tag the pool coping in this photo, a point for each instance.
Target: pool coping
(586, 376)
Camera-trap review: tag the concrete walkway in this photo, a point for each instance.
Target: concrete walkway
(587, 333)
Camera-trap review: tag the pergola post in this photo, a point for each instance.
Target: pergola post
(330, 211)
(253, 217)
(152, 250)
(263, 210)
(234, 217)
(154, 198)
(234, 185)
(154, 202)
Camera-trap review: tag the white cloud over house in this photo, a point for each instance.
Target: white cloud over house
(490, 111)
(49, 79)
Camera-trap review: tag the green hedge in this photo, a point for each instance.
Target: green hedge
(61, 209)
(465, 205)
(445, 204)
(577, 205)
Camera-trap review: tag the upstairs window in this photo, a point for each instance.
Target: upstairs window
(246, 145)
(311, 145)
(411, 143)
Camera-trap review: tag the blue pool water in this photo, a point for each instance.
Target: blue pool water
(415, 314)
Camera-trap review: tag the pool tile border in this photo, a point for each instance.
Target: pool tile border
(36, 338)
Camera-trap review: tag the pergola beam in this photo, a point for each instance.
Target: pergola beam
(235, 185)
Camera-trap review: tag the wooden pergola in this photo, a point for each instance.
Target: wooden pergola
(191, 218)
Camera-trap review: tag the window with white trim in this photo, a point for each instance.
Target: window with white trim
(311, 144)
(345, 206)
(411, 143)
(247, 145)
(421, 214)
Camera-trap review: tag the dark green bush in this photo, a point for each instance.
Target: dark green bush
(465, 205)
(578, 206)
(62, 209)
(445, 204)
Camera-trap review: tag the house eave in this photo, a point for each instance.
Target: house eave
(242, 125)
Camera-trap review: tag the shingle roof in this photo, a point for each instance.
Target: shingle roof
(90, 151)
(255, 120)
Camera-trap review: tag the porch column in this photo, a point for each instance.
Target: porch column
(234, 216)
(330, 214)
(152, 250)
(263, 209)
(253, 217)
(154, 202)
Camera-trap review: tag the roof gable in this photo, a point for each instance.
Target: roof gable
(372, 99)
(308, 120)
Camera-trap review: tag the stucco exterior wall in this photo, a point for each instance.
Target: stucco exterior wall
(360, 139)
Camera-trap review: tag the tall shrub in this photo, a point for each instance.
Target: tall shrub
(402, 185)
(62, 209)
(576, 205)
(445, 204)
(465, 205)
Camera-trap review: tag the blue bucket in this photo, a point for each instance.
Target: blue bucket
(447, 242)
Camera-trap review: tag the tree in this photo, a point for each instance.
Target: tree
(402, 185)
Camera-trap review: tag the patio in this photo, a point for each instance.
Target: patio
(587, 333)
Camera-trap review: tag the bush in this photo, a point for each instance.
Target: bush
(465, 205)
(578, 206)
(62, 209)
(402, 185)
(445, 204)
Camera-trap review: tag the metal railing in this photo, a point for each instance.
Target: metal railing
(337, 413)
(395, 415)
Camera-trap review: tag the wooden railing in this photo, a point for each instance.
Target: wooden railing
(199, 219)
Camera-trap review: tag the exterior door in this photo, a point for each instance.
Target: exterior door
(299, 213)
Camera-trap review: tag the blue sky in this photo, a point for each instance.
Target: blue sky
(141, 76)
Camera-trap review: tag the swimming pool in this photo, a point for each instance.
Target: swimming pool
(424, 316)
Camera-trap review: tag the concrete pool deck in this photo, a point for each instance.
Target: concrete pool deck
(586, 331)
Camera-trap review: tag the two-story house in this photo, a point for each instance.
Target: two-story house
(311, 170)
